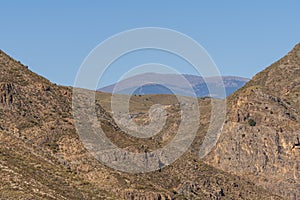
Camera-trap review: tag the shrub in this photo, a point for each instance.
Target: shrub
(251, 122)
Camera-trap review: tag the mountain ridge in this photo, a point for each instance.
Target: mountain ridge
(259, 139)
(155, 83)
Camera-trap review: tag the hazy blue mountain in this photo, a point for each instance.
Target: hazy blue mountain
(154, 83)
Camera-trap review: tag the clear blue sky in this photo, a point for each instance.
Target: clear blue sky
(53, 37)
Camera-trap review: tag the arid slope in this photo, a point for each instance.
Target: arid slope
(260, 139)
(42, 157)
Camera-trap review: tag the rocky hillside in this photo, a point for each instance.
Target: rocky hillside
(34, 114)
(260, 139)
(42, 157)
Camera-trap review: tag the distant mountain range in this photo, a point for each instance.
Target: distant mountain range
(155, 83)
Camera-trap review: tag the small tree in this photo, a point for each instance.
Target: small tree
(251, 122)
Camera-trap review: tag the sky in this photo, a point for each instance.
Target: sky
(54, 37)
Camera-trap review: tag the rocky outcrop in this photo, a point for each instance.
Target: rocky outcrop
(6, 94)
(259, 139)
(131, 194)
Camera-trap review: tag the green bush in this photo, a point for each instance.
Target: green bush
(251, 122)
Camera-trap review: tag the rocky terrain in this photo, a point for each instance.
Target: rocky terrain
(260, 140)
(42, 156)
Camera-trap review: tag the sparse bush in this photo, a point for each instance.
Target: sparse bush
(251, 122)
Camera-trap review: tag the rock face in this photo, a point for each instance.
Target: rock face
(260, 139)
(6, 93)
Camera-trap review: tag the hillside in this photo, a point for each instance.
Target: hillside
(260, 140)
(42, 157)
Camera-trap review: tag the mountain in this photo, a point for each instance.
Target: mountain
(35, 115)
(42, 156)
(154, 83)
(260, 140)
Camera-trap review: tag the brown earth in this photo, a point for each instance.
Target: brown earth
(268, 152)
(42, 157)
